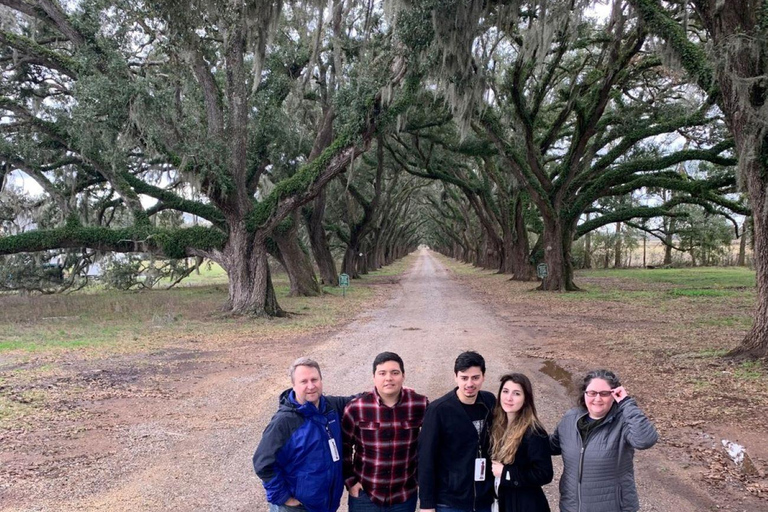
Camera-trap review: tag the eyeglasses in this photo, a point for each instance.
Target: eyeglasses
(593, 394)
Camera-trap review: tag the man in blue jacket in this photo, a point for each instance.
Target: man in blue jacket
(299, 456)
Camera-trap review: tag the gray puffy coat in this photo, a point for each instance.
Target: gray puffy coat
(599, 475)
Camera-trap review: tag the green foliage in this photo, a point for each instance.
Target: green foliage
(414, 26)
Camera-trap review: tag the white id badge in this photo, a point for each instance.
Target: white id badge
(479, 470)
(334, 450)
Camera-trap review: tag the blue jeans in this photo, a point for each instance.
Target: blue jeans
(286, 508)
(446, 508)
(364, 504)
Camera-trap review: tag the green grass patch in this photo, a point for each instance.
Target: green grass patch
(706, 292)
(700, 277)
(711, 353)
(749, 370)
(738, 322)
(625, 296)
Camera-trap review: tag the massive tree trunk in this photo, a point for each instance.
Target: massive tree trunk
(744, 93)
(315, 214)
(519, 251)
(669, 240)
(558, 240)
(742, 260)
(349, 265)
(617, 254)
(250, 284)
(318, 241)
(295, 260)
(588, 248)
(755, 343)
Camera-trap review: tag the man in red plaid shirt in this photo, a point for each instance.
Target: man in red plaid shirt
(381, 433)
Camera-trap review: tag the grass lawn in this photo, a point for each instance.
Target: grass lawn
(682, 278)
(100, 320)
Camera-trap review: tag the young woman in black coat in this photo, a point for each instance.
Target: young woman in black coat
(522, 461)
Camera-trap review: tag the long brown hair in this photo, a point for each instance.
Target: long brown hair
(506, 438)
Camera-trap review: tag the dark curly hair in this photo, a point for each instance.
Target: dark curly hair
(607, 375)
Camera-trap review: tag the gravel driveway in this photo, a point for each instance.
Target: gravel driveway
(189, 446)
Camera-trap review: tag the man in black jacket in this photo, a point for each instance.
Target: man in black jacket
(454, 461)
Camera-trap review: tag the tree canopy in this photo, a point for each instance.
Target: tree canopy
(500, 132)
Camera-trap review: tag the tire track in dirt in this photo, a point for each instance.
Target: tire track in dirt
(193, 452)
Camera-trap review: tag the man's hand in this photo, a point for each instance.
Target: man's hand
(354, 491)
(292, 502)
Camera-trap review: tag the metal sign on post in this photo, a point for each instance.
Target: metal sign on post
(344, 283)
(541, 270)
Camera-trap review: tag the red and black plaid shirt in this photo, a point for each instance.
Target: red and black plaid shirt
(381, 445)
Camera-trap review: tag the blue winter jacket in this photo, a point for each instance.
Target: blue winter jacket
(294, 456)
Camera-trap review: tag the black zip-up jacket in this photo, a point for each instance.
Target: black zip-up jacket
(448, 447)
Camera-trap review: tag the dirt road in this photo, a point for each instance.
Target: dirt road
(185, 442)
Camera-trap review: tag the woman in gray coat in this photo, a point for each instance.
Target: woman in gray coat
(598, 440)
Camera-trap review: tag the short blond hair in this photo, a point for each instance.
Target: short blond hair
(304, 361)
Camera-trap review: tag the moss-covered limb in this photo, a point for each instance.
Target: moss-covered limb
(338, 230)
(660, 235)
(49, 128)
(175, 202)
(490, 126)
(530, 151)
(692, 56)
(174, 243)
(40, 55)
(477, 146)
(552, 67)
(626, 172)
(339, 154)
(359, 197)
(59, 19)
(640, 212)
(712, 190)
(36, 174)
(303, 186)
(647, 212)
(628, 140)
(430, 172)
(596, 103)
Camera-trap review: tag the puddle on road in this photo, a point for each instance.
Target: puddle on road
(560, 374)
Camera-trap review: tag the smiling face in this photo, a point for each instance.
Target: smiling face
(598, 406)
(512, 398)
(470, 381)
(388, 380)
(307, 385)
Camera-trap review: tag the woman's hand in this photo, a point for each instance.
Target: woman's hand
(619, 393)
(497, 468)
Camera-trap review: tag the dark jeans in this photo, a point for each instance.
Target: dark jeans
(364, 504)
(446, 508)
